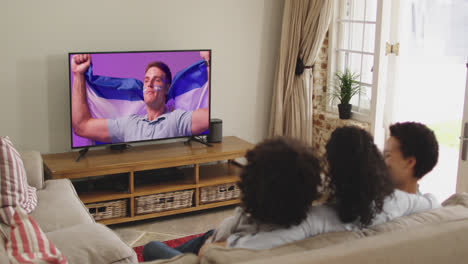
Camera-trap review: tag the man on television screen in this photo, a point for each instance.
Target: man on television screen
(156, 124)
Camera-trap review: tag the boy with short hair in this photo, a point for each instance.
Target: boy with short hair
(410, 153)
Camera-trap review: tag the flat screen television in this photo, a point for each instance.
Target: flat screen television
(136, 96)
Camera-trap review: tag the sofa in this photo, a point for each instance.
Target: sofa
(436, 236)
(67, 223)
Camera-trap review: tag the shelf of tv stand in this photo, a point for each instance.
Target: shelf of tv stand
(207, 166)
(163, 188)
(218, 174)
(169, 212)
(101, 196)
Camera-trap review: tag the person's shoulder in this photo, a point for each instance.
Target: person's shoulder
(126, 119)
(324, 211)
(398, 193)
(178, 114)
(398, 196)
(402, 194)
(132, 118)
(174, 112)
(416, 198)
(433, 199)
(429, 195)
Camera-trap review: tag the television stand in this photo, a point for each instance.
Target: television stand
(82, 153)
(119, 147)
(122, 182)
(194, 138)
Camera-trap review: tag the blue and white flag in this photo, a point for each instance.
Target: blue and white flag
(111, 98)
(190, 88)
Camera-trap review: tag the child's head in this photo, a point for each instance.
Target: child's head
(410, 152)
(280, 181)
(359, 180)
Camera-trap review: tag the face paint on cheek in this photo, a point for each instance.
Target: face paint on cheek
(155, 89)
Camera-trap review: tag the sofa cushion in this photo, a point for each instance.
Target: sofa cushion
(455, 208)
(34, 167)
(216, 254)
(26, 243)
(59, 206)
(92, 243)
(14, 188)
(427, 244)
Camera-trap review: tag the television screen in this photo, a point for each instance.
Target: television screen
(124, 97)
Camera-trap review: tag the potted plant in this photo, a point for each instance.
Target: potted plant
(344, 87)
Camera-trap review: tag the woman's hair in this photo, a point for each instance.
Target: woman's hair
(358, 177)
(280, 181)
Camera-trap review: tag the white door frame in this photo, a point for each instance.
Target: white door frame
(462, 177)
(379, 85)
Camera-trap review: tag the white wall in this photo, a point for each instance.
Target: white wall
(37, 35)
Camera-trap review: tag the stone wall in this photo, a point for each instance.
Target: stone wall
(325, 122)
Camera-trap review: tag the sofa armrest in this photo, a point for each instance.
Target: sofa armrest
(32, 161)
(92, 243)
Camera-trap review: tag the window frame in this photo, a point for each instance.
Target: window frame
(333, 39)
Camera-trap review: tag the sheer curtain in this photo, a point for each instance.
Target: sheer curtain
(305, 24)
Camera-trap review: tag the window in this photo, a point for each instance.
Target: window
(352, 42)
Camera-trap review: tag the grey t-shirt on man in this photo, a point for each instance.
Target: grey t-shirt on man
(177, 123)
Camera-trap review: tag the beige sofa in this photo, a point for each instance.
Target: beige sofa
(66, 221)
(435, 236)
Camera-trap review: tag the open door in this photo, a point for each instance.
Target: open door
(462, 179)
(425, 80)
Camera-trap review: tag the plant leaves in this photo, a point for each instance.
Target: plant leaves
(345, 86)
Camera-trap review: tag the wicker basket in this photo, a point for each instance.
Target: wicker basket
(222, 192)
(107, 210)
(163, 202)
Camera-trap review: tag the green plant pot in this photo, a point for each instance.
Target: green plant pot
(344, 111)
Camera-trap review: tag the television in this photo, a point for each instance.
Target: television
(118, 98)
